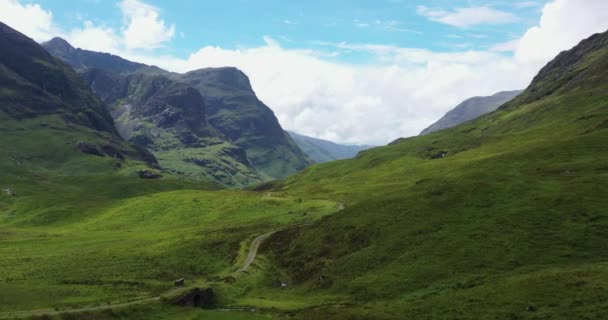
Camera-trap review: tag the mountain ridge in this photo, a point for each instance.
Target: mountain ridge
(230, 117)
(470, 109)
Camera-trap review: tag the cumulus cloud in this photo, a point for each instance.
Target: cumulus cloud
(145, 29)
(466, 17)
(562, 25)
(29, 19)
(94, 37)
(404, 89)
(398, 95)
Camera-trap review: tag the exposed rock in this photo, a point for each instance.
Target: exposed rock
(197, 298)
(147, 174)
(9, 192)
(89, 149)
(112, 152)
(165, 111)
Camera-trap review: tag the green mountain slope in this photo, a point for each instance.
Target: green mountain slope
(79, 226)
(50, 120)
(324, 151)
(503, 217)
(206, 124)
(471, 109)
(169, 118)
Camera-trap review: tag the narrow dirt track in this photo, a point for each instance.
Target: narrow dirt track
(253, 249)
(255, 244)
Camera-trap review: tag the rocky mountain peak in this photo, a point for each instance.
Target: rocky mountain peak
(59, 45)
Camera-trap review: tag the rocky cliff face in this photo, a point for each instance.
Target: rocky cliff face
(235, 111)
(214, 111)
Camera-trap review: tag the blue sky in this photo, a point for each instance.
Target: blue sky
(362, 72)
(306, 24)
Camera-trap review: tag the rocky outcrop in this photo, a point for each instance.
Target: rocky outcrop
(174, 114)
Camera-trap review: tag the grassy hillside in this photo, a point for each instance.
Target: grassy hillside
(503, 217)
(119, 245)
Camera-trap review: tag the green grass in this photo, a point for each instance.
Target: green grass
(511, 224)
(216, 164)
(132, 247)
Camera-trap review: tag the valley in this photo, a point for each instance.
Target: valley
(117, 179)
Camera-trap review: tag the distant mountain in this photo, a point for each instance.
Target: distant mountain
(325, 151)
(471, 109)
(205, 124)
(50, 119)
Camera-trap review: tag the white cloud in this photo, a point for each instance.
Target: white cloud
(29, 19)
(96, 38)
(508, 46)
(562, 25)
(404, 89)
(144, 30)
(527, 4)
(399, 95)
(466, 17)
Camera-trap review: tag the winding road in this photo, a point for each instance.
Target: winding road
(253, 249)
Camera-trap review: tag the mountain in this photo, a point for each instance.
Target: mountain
(50, 119)
(81, 59)
(325, 151)
(502, 217)
(205, 124)
(471, 109)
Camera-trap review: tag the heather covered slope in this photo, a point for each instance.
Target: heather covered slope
(502, 217)
(471, 109)
(324, 151)
(206, 124)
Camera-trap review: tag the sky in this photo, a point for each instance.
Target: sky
(357, 72)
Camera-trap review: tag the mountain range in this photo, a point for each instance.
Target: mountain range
(205, 124)
(501, 217)
(321, 150)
